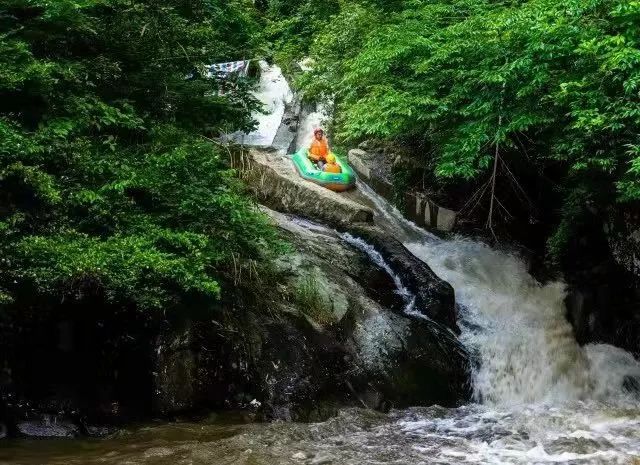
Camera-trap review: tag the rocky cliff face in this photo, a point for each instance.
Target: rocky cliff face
(622, 230)
(337, 335)
(604, 298)
(354, 320)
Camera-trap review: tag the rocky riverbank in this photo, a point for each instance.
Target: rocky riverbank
(336, 335)
(354, 320)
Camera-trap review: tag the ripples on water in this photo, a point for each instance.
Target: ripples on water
(577, 434)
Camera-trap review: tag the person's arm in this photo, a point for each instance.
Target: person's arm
(312, 156)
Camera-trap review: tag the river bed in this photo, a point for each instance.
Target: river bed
(574, 434)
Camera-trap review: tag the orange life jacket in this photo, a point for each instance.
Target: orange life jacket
(332, 168)
(319, 149)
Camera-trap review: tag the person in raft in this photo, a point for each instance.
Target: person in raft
(331, 165)
(319, 149)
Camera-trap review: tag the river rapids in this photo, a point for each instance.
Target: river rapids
(538, 396)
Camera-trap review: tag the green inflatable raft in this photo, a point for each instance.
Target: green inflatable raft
(337, 182)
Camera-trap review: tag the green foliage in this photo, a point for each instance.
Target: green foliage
(311, 301)
(294, 24)
(105, 174)
(554, 84)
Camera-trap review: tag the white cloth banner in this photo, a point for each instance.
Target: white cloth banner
(224, 70)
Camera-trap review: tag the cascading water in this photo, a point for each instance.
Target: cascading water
(517, 326)
(540, 398)
(374, 255)
(275, 94)
(532, 378)
(526, 346)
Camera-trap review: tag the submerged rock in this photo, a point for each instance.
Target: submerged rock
(48, 428)
(631, 384)
(100, 431)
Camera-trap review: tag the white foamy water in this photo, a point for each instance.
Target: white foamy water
(316, 119)
(528, 353)
(558, 402)
(274, 93)
(473, 434)
(376, 258)
(516, 326)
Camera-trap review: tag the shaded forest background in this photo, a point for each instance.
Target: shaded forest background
(116, 203)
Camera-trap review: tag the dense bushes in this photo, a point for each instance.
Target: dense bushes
(107, 175)
(293, 26)
(551, 87)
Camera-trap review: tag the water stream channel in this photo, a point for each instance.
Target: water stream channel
(538, 397)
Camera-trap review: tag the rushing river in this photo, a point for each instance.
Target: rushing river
(539, 397)
(577, 434)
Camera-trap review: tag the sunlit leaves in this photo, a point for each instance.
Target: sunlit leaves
(541, 66)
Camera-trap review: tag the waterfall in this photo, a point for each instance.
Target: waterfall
(274, 94)
(374, 255)
(525, 346)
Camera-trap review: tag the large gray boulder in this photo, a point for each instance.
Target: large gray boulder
(276, 184)
(604, 282)
(336, 335)
(390, 348)
(356, 320)
(434, 297)
(622, 230)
